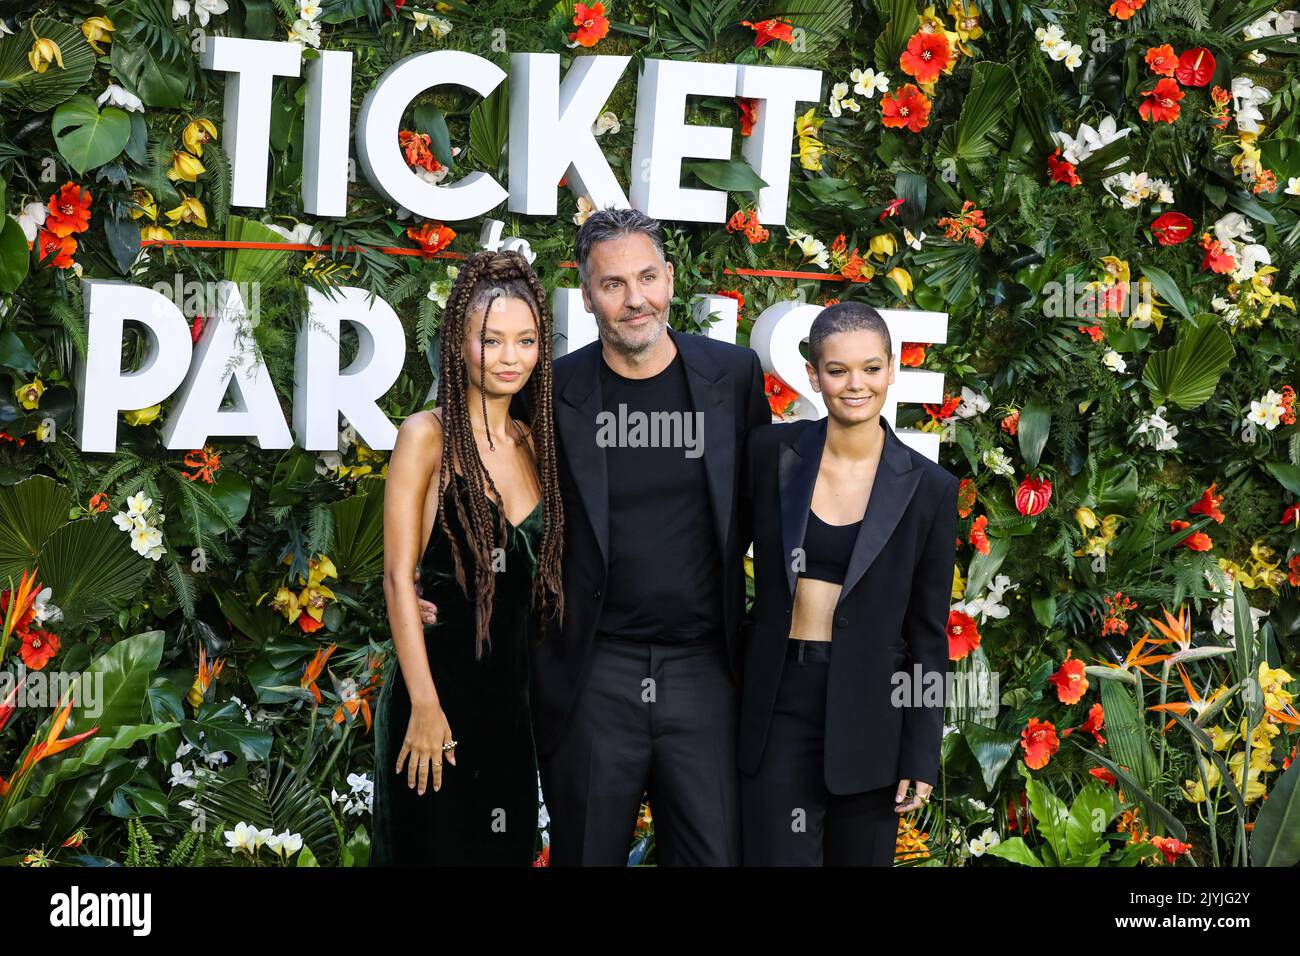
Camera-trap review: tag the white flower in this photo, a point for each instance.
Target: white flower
(813, 249)
(1232, 227)
(868, 82)
(284, 844)
(1075, 149)
(912, 240)
(439, 289)
(1114, 361)
(305, 31)
(1267, 412)
(1224, 618)
(118, 96)
(203, 9)
(606, 122)
(585, 208)
(432, 176)
(1156, 432)
(42, 608)
(309, 9)
(361, 783)
(301, 234)
(31, 219)
(990, 837)
(1050, 36)
(437, 26)
(182, 777)
(972, 403)
(1074, 57)
(145, 539)
(217, 759)
(995, 459)
(1164, 192)
(840, 101)
(180, 9)
(4, 29)
(242, 837)
(1292, 186)
(137, 504)
(1247, 98)
(977, 847)
(184, 748)
(1249, 257)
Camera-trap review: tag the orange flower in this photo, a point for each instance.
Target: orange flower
(1124, 9)
(1092, 331)
(203, 677)
(52, 745)
(765, 31)
(1070, 680)
(69, 211)
(206, 461)
(1117, 605)
(18, 605)
(967, 224)
(941, 413)
(734, 294)
(315, 667)
(747, 222)
(39, 648)
(1209, 505)
(432, 239)
(1039, 741)
(1216, 260)
(1293, 571)
(98, 502)
(965, 497)
(963, 635)
(910, 108)
(1011, 424)
(927, 55)
(1160, 104)
(912, 354)
(591, 23)
(779, 395)
(978, 539)
(748, 114)
(415, 146)
(1171, 847)
(1061, 171)
(1200, 541)
(1104, 775)
(309, 624)
(61, 248)
(1093, 725)
(1162, 60)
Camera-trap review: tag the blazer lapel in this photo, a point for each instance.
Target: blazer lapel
(796, 477)
(711, 398)
(575, 420)
(895, 483)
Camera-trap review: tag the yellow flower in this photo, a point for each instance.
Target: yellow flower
(143, 204)
(1146, 310)
(44, 430)
(97, 29)
(958, 585)
(1115, 270)
(1086, 519)
(318, 569)
(43, 53)
(1100, 544)
(29, 395)
(966, 18)
(190, 210)
(883, 246)
(1261, 295)
(186, 167)
(286, 602)
(901, 278)
(1219, 737)
(155, 233)
(197, 133)
(810, 146)
(1271, 682)
(314, 599)
(143, 416)
(1249, 157)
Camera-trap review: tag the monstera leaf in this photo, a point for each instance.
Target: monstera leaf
(23, 87)
(1187, 374)
(87, 136)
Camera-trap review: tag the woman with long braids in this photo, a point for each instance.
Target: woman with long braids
(455, 766)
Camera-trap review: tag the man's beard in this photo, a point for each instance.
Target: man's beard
(615, 338)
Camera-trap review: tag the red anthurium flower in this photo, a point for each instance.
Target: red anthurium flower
(1200, 541)
(1171, 228)
(909, 108)
(1160, 104)
(432, 239)
(1209, 504)
(912, 354)
(69, 210)
(978, 538)
(60, 247)
(1195, 67)
(965, 497)
(927, 55)
(591, 23)
(1162, 60)
(1039, 741)
(765, 31)
(1124, 9)
(748, 114)
(1292, 516)
(963, 635)
(891, 208)
(1062, 171)
(1033, 495)
(1070, 680)
(1171, 847)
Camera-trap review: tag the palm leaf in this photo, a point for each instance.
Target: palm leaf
(359, 533)
(993, 95)
(1187, 374)
(822, 23)
(30, 512)
(252, 265)
(90, 565)
(22, 87)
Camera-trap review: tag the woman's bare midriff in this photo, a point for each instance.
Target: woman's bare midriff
(814, 608)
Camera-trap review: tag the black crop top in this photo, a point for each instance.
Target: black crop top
(827, 548)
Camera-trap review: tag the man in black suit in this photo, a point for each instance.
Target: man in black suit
(637, 691)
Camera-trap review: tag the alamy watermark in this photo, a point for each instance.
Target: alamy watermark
(638, 429)
(85, 689)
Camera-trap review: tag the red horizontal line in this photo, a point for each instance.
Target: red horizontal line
(404, 251)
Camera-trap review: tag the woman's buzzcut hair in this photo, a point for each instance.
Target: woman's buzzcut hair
(845, 317)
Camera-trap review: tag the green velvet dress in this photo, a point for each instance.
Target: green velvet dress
(486, 811)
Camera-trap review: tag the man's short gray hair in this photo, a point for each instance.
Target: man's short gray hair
(612, 223)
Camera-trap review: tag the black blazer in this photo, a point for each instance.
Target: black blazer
(726, 383)
(892, 612)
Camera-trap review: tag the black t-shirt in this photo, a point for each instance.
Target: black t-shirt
(665, 570)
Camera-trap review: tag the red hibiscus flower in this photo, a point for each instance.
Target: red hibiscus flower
(734, 294)
(1039, 741)
(1160, 103)
(38, 648)
(978, 539)
(1093, 725)
(1062, 171)
(591, 23)
(1209, 504)
(1195, 67)
(1070, 681)
(780, 396)
(965, 497)
(963, 635)
(927, 55)
(1215, 260)
(1102, 774)
(1033, 495)
(765, 31)
(1011, 424)
(62, 248)
(1124, 9)
(1200, 541)
(69, 211)
(1171, 228)
(748, 114)
(432, 239)
(912, 354)
(1171, 847)
(1162, 60)
(910, 108)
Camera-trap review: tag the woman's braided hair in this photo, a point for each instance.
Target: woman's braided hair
(486, 277)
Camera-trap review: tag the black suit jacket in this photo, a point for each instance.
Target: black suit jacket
(726, 384)
(892, 612)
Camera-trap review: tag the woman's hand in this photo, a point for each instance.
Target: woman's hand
(426, 734)
(919, 799)
(428, 610)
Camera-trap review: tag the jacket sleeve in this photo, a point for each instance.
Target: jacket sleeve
(926, 630)
(757, 412)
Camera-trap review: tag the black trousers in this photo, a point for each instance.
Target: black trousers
(653, 719)
(789, 817)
